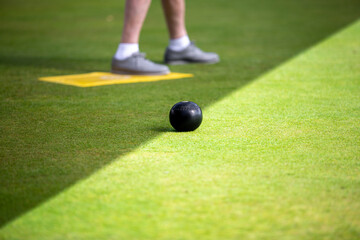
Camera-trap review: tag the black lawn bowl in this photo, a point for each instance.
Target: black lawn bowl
(185, 116)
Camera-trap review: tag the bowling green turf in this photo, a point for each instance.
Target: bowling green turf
(277, 155)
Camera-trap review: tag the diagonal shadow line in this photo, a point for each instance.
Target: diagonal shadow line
(64, 142)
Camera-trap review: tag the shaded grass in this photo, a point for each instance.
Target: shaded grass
(54, 135)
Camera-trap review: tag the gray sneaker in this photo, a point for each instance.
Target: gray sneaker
(137, 64)
(191, 54)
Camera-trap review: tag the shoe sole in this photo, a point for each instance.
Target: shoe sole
(129, 72)
(182, 62)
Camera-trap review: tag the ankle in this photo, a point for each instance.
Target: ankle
(125, 50)
(179, 44)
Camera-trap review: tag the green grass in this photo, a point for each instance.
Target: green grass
(277, 158)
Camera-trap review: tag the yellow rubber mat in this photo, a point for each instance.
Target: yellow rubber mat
(104, 78)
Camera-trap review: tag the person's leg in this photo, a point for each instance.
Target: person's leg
(180, 50)
(127, 59)
(174, 11)
(135, 13)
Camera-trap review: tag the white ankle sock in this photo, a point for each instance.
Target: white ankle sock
(179, 44)
(125, 50)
